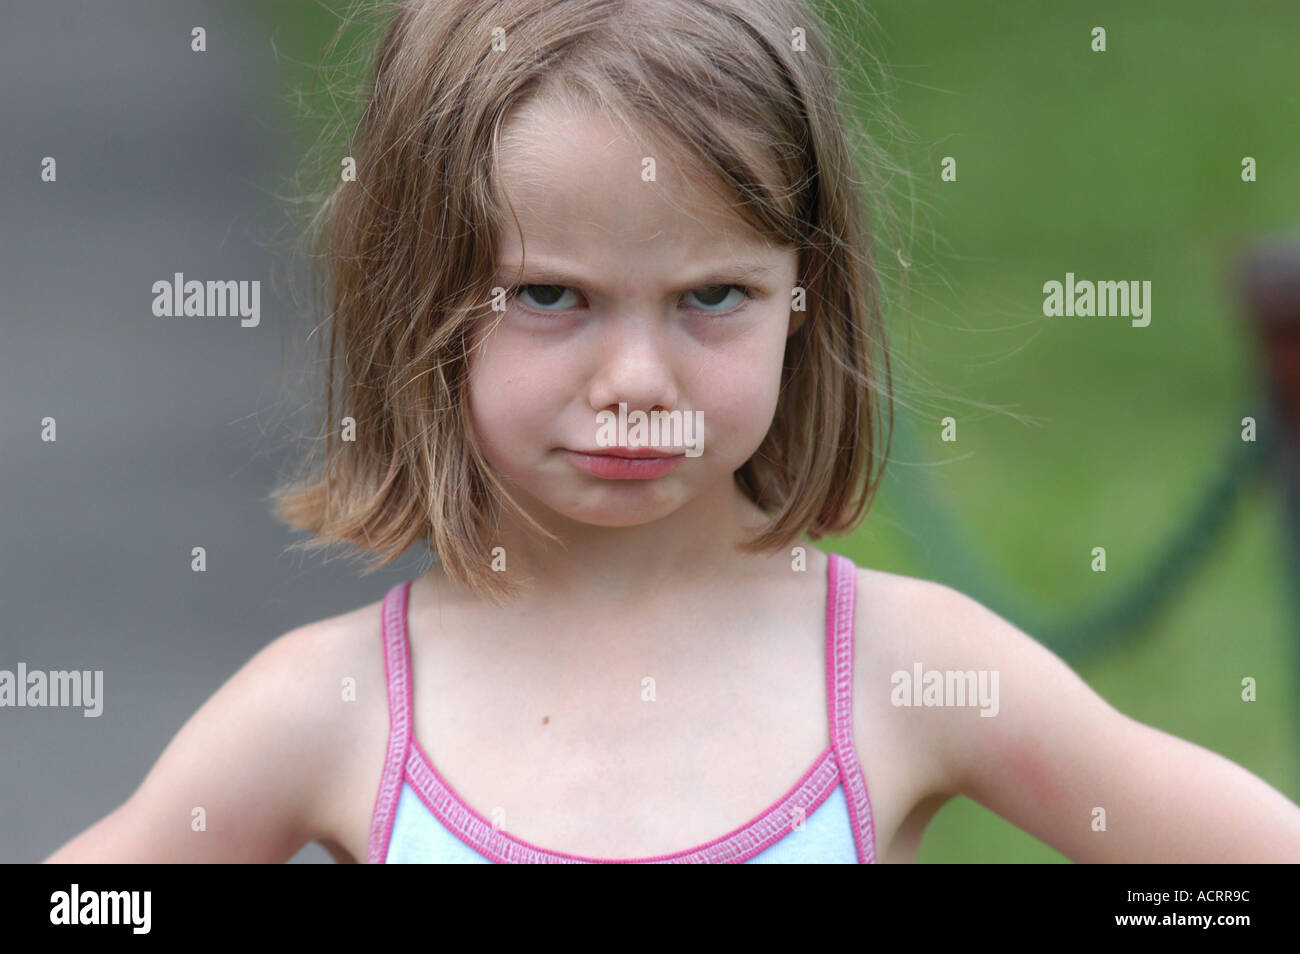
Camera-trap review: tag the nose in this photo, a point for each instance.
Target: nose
(636, 368)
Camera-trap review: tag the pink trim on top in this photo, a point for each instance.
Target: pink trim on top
(740, 844)
(407, 761)
(839, 690)
(396, 669)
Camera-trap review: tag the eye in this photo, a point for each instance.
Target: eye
(709, 298)
(716, 297)
(545, 297)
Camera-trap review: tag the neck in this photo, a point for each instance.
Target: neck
(588, 565)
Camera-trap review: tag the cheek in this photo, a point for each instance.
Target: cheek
(742, 410)
(743, 388)
(490, 406)
(510, 401)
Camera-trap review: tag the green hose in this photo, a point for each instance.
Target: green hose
(953, 557)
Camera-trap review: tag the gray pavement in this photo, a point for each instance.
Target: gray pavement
(169, 429)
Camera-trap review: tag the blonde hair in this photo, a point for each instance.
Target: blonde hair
(410, 253)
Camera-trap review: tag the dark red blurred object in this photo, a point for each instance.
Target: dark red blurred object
(1270, 280)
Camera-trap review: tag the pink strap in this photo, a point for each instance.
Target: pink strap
(842, 591)
(397, 667)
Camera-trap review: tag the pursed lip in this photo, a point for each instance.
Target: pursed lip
(630, 453)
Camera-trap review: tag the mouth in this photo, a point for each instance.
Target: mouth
(631, 453)
(627, 463)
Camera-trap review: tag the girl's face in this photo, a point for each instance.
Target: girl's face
(640, 291)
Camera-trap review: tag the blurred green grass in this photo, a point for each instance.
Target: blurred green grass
(1115, 165)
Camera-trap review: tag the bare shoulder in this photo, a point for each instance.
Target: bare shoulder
(251, 775)
(322, 691)
(917, 633)
(340, 662)
(1010, 725)
(992, 688)
(327, 681)
(896, 620)
(922, 649)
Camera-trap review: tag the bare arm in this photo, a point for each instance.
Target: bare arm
(250, 759)
(1056, 752)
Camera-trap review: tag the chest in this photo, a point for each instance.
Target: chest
(661, 746)
(644, 751)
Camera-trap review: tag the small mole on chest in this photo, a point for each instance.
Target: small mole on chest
(545, 719)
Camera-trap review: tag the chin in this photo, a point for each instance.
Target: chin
(614, 514)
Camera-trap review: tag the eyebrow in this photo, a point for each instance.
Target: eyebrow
(546, 273)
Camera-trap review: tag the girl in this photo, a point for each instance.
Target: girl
(609, 327)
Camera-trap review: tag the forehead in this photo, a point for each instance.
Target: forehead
(581, 183)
